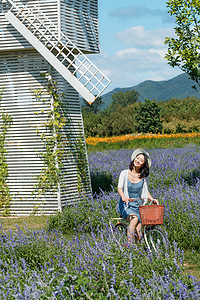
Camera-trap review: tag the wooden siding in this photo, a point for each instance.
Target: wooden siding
(10, 38)
(20, 76)
(71, 133)
(79, 22)
(78, 19)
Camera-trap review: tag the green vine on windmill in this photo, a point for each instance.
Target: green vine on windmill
(5, 197)
(56, 140)
(51, 156)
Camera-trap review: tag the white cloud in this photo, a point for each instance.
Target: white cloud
(127, 52)
(137, 36)
(132, 66)
(140, 58)
(160, 52)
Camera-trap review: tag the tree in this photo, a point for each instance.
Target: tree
(123, 99)
(184, 50)
(121, 121)
(91, 122)
(187, 109)
(94, 107)
(148, 117)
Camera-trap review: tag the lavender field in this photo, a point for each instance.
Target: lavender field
(78, 258)
(174, 180)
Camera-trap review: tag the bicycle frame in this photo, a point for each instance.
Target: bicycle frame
(125, 223)
(153, 236)
(144, 231)
(148, 227)
(116, 219)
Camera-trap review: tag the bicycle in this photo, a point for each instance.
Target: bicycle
(154, 238)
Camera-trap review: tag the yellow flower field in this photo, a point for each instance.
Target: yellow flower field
(115, 139)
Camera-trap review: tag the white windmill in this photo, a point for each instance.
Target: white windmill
(49, 37)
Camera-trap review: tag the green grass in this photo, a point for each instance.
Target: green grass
(192, 263)
(29, 222)
(152, 143)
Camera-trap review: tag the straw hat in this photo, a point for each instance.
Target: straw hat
(141, 151)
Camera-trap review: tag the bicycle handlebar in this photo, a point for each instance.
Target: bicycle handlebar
(132, 200)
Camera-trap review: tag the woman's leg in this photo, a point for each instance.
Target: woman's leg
(138, 232)
(133, 221)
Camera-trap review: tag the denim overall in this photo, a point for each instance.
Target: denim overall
(134, 192)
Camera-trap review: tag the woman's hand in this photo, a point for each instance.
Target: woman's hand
(121, 193)
(125, 199)
(155, 201)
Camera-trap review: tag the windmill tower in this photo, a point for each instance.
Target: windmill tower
(52, 38)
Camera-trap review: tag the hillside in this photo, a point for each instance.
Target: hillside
(177, 87)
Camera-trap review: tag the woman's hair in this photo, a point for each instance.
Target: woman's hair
(144, 170)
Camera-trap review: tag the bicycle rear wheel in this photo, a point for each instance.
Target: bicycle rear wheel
(120, 233)
(156, 240)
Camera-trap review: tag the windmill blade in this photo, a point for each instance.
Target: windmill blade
(59, 51)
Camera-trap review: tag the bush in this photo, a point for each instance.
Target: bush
(148, 117)
(89, 214)
(121, 121)
(192, 178)
(180, 128)
(101, 181)
(36, 254)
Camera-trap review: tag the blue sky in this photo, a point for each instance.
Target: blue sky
(132, 35)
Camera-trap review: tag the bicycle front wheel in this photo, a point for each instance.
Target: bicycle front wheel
(156, 240)
(120, 233)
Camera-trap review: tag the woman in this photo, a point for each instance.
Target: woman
(133, 183)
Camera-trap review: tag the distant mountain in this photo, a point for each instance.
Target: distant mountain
(177, 87)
